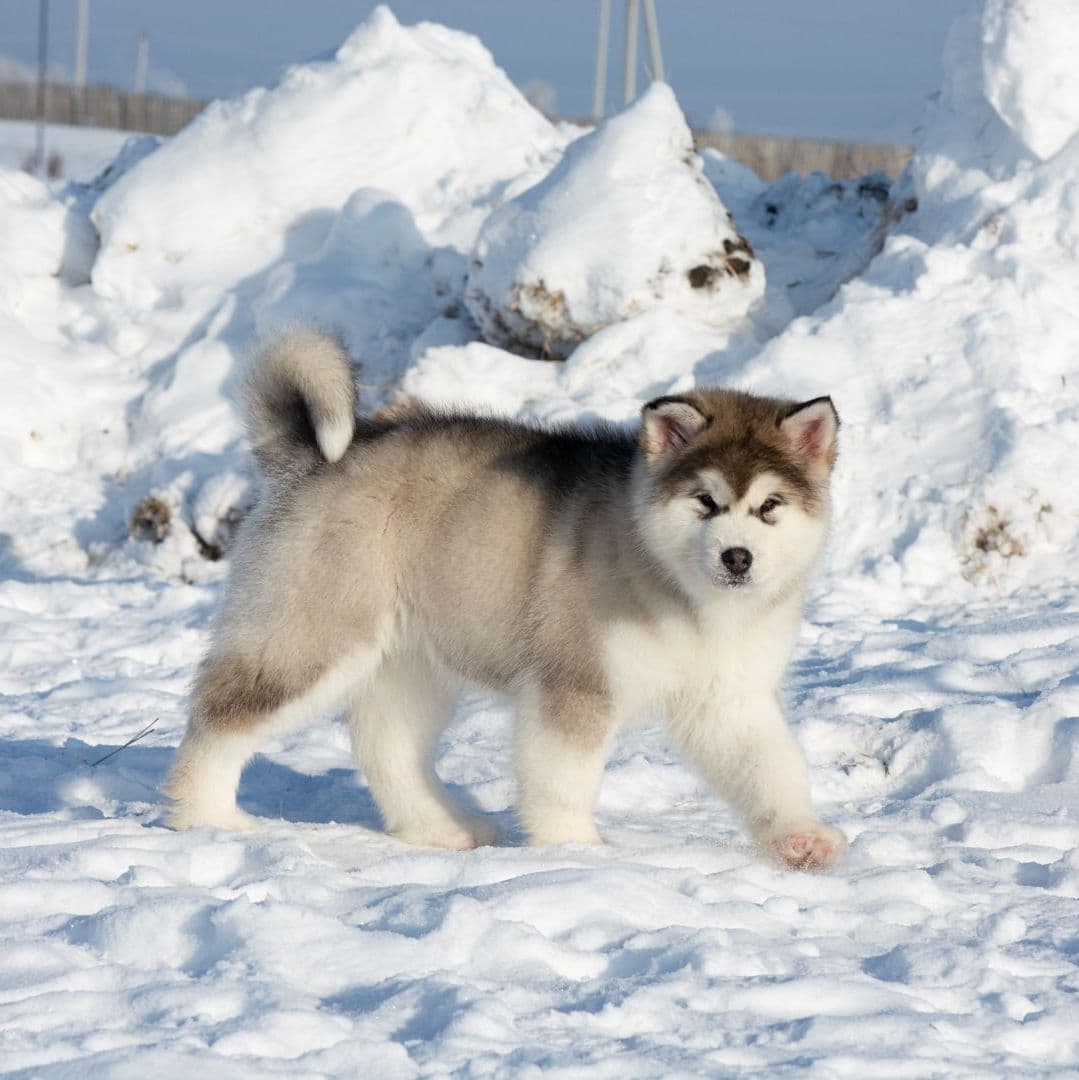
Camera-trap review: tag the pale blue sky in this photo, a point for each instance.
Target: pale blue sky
(840, 68)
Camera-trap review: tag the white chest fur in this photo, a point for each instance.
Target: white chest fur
(734, 650)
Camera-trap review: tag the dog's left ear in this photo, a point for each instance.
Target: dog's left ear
(811, 428)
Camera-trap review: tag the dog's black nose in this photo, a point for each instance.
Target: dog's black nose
(737, 560)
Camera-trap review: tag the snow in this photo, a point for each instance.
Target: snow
(266, 173)
(1035, 91)
(84, 151)
(31, 235)
(934, 688)
(557, 264)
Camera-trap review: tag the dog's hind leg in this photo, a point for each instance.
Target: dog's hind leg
(396, 723)
(240, 701)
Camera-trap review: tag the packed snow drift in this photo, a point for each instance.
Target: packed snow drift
(934, 689)
(421, 113)
(559, 262)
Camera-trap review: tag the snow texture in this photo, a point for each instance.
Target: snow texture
(1035, 90)
(934, 688)
(557, 264)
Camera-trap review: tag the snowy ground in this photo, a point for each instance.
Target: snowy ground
(83, 152)
(934, 690)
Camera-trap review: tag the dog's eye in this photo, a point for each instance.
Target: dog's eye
(769, 505)
(709, 505)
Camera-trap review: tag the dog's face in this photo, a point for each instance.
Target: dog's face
(734, 491)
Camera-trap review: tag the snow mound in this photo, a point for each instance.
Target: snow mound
(40, 237)
(420, 111)
(31, 227)
(624, 223)
(953, 357)
(1035, 90)
(374, 279)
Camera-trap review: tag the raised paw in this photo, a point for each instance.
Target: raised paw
(813, 848)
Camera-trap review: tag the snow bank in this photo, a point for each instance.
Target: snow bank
(421, 111)
(41, 236)
(953, 359)
(31, 227)
(625, 222)
(1034, 89)
(374, 278)
(345, 196)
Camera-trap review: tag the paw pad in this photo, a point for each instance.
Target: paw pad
(810, 849)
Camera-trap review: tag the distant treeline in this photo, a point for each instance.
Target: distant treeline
(773, 156)
(99, 106)
(769, 156)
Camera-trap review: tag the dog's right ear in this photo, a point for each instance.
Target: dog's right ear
(668, 424)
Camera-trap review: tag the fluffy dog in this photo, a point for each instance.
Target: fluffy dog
(590, 573)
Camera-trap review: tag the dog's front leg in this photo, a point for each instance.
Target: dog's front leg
(562, 741)
(746, 750)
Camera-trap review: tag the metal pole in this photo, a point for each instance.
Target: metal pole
(82, 41)
(142, 63)
(629, 81)
(42, 62)
(599, 88)
(651, 25)
(82, 37)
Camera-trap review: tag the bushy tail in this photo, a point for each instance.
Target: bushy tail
(301, 402)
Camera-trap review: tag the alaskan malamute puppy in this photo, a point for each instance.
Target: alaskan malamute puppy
(591, 574)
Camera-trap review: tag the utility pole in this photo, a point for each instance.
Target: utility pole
(629, 70)
(629, 63)
(630, 58)
(599, 87)
(651, 26)
(42, 64)
(82, 42)
(142, 63)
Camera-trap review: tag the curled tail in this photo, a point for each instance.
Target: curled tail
(301, 402)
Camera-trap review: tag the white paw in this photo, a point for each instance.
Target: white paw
(464, 835)
(559, 829)
(180, 816)
(811, 848)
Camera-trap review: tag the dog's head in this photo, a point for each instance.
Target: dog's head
(733, 489)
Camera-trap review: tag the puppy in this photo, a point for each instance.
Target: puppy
(591, 574)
